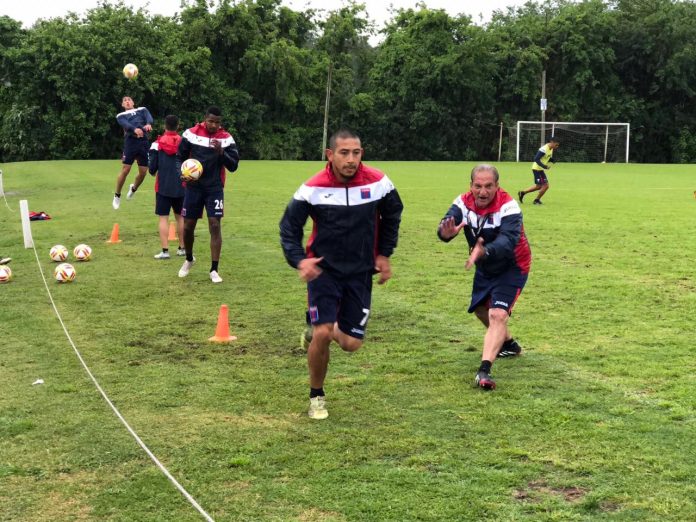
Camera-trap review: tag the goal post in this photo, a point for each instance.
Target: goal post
(580, 141)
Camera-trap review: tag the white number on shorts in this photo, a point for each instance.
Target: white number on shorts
(366, 311)
(218, 204)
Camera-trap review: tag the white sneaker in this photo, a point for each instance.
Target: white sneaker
(162, 255)
(131, 192)
(180, 251)
(317, 408)
(186, 268)
(116, 202)
(5, 260)
(215, 277)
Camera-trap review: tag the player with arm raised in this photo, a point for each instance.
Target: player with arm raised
(492, 224)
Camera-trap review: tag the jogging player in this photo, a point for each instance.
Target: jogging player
(356, 212)
(169, 192)
(215, 148)
(541, 164)
(492, 224)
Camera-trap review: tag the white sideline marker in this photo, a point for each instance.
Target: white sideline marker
(2, 192)
(26, 224)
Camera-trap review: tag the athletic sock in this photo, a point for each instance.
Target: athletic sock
(214, 266)
(165, 250)
(485, 366)
(316, 392)
(117, 194)
(189, 257)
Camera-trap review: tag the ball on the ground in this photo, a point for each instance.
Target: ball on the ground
(64, 273)
(130, 71)
(5, 273)
(58, 253)
(191, 169)
(82, 252)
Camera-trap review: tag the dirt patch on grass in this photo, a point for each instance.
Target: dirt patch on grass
(537, 489)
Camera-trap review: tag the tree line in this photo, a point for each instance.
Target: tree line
(436, 87)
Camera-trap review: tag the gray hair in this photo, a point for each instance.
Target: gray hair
(485, 167)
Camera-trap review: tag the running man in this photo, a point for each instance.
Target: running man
(541, 164)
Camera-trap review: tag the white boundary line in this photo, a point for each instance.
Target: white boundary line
(154, 459)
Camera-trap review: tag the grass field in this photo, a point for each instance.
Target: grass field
(595, 422)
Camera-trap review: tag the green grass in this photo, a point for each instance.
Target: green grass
(595, 422)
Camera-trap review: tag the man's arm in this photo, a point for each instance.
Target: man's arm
(230, 157)
(390, 208)
(183, 153)
(125, 123)
(503, 246)
(153, 158)
(292, 230)
(537, 159)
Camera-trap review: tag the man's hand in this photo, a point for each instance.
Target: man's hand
(476, 253)
(216, 145)
(309, 268)
(383, 266)
(448, 229)
(148, 127)
(139, 133)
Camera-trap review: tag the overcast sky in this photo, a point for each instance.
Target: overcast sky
(28, 11)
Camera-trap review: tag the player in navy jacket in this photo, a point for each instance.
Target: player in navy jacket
(216, 149)
(492, 224)
(356, 212)
(136, 124)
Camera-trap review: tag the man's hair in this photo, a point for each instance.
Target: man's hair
(214, 110)
(341, 134)
(485, 167)
(554, 139)
(171, 122)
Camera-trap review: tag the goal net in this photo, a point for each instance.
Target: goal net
(580, 142)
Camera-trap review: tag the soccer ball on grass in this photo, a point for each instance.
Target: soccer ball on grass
(5, 273)
(58, 253)
(64, 273)
(82, 252)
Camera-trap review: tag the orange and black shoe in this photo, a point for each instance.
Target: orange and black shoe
(484, 380)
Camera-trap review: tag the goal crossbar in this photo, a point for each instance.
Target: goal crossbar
(551, 127)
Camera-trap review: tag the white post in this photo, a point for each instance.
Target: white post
(606, 141)
(500, 141)
(628, 135)
(26, 224)
(517, 155)
(2, 192)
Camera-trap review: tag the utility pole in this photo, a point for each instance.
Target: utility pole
(326, 111)
(543, 107)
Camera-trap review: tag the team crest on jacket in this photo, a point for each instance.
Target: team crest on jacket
(365, 193)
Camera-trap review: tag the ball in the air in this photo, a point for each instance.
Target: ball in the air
(191, 169)
(130, 71)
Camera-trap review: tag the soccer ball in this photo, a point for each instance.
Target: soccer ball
(58, 253)
(130, 71)
(5, 273)
(82, 252)
(191, 169)
(64, 273)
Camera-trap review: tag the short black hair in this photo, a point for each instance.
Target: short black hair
(214, 110)
(554, 139)
(342, 134)
(171, 122)
(485, 167)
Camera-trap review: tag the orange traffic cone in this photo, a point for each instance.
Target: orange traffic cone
(114, 235)
(172, 231)
(222, 332)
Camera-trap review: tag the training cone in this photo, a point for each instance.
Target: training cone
(222, 332)
(114, 235)
(172, 231)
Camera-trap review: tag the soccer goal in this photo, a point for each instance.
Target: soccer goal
(580, 142)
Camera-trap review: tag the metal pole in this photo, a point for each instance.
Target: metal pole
(500, 141)
(543, 109)
(517, 157)
(606, 141)
(628, 135)
(326, 112)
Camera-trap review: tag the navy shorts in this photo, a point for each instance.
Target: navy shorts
(163, 204)
(540, 177)
(135, 149)
(196, 199)
(345, 300)
(499, 291)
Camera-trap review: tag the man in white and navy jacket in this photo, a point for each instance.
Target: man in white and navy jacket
(356, 213)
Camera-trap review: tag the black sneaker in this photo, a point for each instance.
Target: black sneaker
(538, 202)
(509, 349)
(484, 380)
(520, 196)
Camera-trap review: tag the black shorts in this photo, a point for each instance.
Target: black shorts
(345, 300)
(499, 291)
(195, 199)
(135, 149)
(163, 204)
(540, 177)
